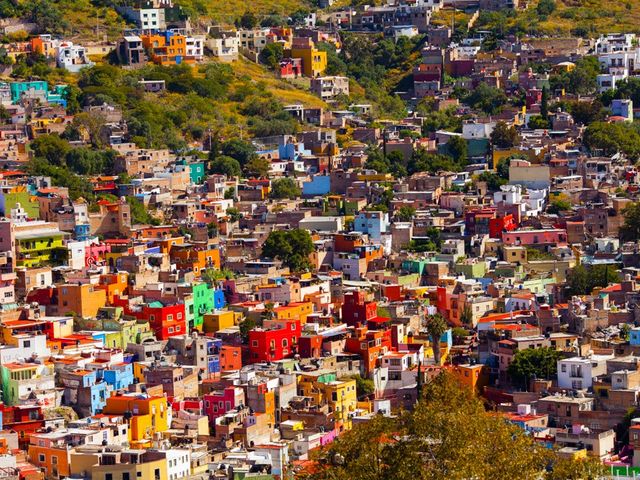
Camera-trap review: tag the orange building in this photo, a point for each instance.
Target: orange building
(472, 376)
(49, 452)
(114, 284)
(230, 358)
(84, 300)
(167, 48)
(195, 259)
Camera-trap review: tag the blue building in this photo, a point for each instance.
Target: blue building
(318, 185)
(84, 392)
(634, 336)
(373, 224)
(119, 376)
(219, 301)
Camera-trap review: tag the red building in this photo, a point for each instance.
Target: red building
(290, 68)
(219, 402)
(165, 320)
(278, 339)
(356, 310)
(501, 224)
(22, 419)
(392, 292)
(369, 344)
(310, 346)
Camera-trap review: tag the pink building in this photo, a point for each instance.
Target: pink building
(553, 236)
(219, 402)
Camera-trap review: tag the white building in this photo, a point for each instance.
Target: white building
(255, 39)
(28, 346)
(225, 46)
(195, 47)
(577, 373)
(615, 42)
(72, 57)
(328, 88)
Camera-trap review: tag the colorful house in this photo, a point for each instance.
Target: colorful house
(276, 340)
(314, 61)
(167, 48)
(147, 415)
(83, 300)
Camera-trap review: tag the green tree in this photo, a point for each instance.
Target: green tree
(625, 331)
(493, 180)
(52, 148)
(444, 437)
(559, 204)
(228, 166)
(285, 188)
(72, 97)
(248, 20)
(458, 148)
(364, 386)
(272, 54)
(292, 247)
(246, 326)
(630, 229)
(436, 326)
(504, 136)
(257, 167)
(405, 213)
(466, 317)
(533, 362)
(538, 122)
(544, 103)
(502, 169)
(612, 138)
(139, 214)
(582, 279)
(545, 7)
(241, 150)
(234, 214)
(489, 99)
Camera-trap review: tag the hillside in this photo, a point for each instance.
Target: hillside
(228, 11)
(585, 18)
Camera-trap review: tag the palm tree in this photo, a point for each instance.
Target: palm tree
(436, 326)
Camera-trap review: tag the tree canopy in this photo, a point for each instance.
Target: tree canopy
(292, 247)
(582, 279)
(533, 362)
(285, 188)
(448, 435)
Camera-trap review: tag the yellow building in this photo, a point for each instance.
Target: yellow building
(314, 62)
(294, 311)
(130, 464)
(216, 321)
(323, 387)
(147, 415)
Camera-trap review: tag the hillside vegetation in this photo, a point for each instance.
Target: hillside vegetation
(585, 18)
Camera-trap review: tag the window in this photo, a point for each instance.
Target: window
(125, 475)
(170, 317)
(41, 458)
(108, 476)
